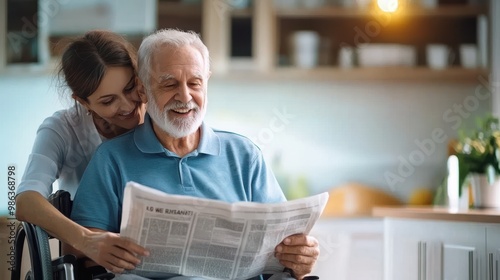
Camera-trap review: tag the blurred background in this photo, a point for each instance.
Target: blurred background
(334, 92)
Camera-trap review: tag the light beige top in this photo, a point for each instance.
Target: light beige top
(439, 213)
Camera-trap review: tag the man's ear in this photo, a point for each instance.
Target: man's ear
(142, 91)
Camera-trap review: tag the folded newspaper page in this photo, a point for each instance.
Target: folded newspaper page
(209, 238)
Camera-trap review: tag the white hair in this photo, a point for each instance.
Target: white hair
(169, 38)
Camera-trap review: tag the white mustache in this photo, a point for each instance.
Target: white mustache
(180, 105)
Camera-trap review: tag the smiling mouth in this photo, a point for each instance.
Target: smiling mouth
(126, 114)
(129, 114)
(182, 110)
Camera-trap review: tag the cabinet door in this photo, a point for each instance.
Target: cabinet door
(405, 250)
(351, 249)
(428, 250)
(464, 246)
(492, 252)
(459, 262)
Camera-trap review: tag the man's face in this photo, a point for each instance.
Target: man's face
(178, 86)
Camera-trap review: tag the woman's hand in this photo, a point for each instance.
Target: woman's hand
(111, 251)
(298, 253)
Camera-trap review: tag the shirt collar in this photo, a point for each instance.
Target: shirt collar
(146, 141)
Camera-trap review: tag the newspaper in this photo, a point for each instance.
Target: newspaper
(209, 238)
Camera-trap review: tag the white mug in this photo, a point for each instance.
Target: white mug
(438, 56)
(468, 56)
(305, 46)
(346, 57)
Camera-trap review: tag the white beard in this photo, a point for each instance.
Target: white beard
(177, 127)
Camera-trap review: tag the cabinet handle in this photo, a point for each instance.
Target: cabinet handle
(490, 266)
(424, 262)
(471, 265)
(422, 254)
(419, 259)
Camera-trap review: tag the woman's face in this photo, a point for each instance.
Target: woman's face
(116, 99)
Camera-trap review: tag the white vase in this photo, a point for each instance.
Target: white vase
(485, 194)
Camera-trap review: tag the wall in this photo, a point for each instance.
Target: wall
(28, 99)
(340, 132)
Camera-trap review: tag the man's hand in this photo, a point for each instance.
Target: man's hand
(298, 253)
(111, 251)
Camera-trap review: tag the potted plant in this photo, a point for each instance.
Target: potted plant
(479, 157)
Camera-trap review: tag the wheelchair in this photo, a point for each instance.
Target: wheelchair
(65, 267)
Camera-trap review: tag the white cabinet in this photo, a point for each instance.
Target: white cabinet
(434, 250)
(351, 249)
(493, 252)
(458, 262)
(411, 251)
(463, 249)
(402, 240)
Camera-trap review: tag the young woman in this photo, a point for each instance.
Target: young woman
(99, 70)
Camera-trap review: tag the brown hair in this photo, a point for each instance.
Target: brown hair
(85, 60)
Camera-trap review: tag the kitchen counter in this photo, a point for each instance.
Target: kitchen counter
(439, 213)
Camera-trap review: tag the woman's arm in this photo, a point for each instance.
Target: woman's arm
(105, 248)
(34, 208)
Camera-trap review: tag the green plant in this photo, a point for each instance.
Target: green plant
(479, 152)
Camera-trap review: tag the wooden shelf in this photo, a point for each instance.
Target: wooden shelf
(178, 9)
(184, 16)
(242, 13)
(271, 27)
(375, 74)
(337, 12)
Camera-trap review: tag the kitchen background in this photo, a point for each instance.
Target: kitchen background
(328, 133)
(317, 131)
(388, 129)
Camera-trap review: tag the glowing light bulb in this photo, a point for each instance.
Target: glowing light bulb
(388, 6)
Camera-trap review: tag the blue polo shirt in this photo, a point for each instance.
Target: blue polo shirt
(225, 166)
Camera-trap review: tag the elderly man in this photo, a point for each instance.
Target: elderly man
(176, 152)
